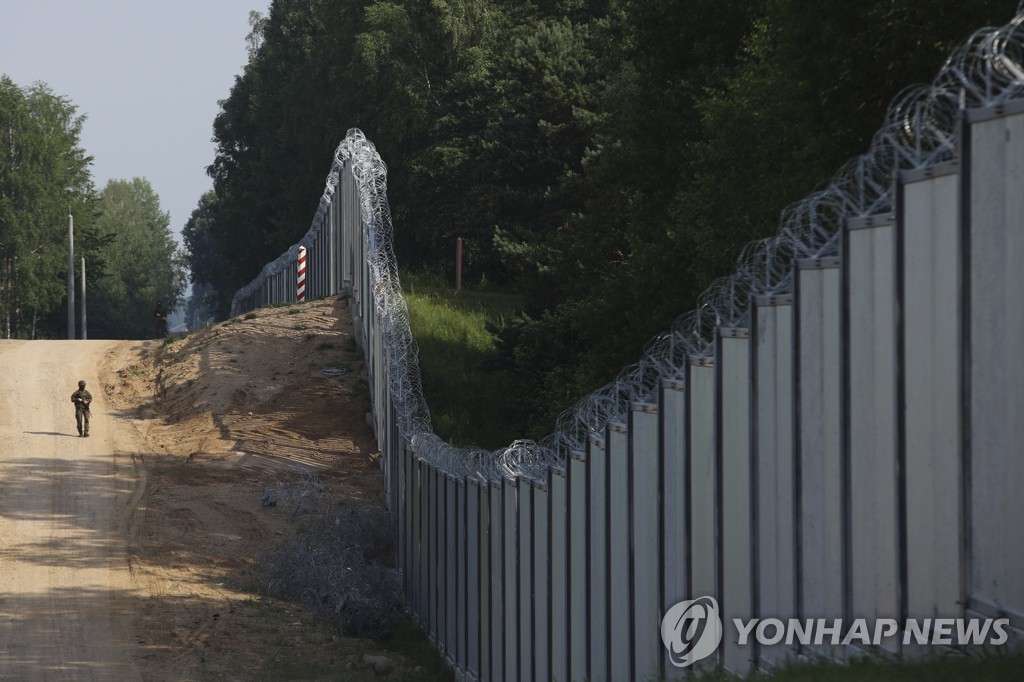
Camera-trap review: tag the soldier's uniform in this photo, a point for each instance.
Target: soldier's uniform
(82, 399)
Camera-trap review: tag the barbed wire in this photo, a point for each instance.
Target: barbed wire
(921, 128)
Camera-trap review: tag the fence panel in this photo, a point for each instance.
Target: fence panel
(496, 643)
(455, 581)
(579, 567)
(645, 466)
(736, 492)
(524, 586)
(674, 484)
(859, 457)
(435, 530)
(700, 387)
(995, 318)
(541, 576)
(775, 520)
(475, 615)
(620, 643)
(510, 582)
(929, 221)
(872, 462)
(598, 587)
(820, 474)
(558, 625)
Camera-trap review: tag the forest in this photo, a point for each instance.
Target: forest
(604, 160)
(131, 258)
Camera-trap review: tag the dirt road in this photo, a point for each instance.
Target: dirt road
(65, 508)
(135, 554)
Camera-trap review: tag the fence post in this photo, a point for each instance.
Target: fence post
(300, 282)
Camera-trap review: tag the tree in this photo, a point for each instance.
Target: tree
(44, 176)
(144, 262)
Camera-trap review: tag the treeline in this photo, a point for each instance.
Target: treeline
(606, 159)
(131, 257)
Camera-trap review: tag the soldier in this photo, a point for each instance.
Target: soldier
(82, 398)
(160, 317)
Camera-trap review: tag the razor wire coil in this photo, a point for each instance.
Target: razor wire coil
(922, 128)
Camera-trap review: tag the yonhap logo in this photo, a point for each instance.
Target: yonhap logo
(691, 630)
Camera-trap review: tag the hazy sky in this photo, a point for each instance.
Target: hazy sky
(146, 74)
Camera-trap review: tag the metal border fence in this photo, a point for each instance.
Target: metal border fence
(834, 432)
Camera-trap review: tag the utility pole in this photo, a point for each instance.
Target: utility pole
(84, 336)
(71, 277)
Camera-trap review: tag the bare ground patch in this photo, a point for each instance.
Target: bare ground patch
(222, 419)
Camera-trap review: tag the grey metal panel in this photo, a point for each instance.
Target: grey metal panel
(525, 589)
(598, 587)
(422, 552)
(409, 520)
(455, 581)
(1000, 110)
(434, 555)
(644, 456)
(494, 647)
(474, 616)
(996, 324)
(775, 521)
(579, 567)
(736, 539)
(541, 643)
(675, 512)
(559, 582)
(621, 641)
(932, 387)
(703, 483)
(872, 435)
(821, 489)
(510, 583)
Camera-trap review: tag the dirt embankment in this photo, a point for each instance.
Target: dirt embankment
(222, 419)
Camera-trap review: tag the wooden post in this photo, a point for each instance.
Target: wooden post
(458, 265)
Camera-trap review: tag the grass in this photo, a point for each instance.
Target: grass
(466, 398)
(410, 640)
(940, 668)
(291, 646)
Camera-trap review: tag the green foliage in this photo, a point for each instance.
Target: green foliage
(605, 159)
(144, 265)
(44, 176)
(467, 394)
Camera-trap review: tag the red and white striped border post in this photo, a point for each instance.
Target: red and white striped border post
(300, 285)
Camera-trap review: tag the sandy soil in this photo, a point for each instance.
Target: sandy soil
(131, 554)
